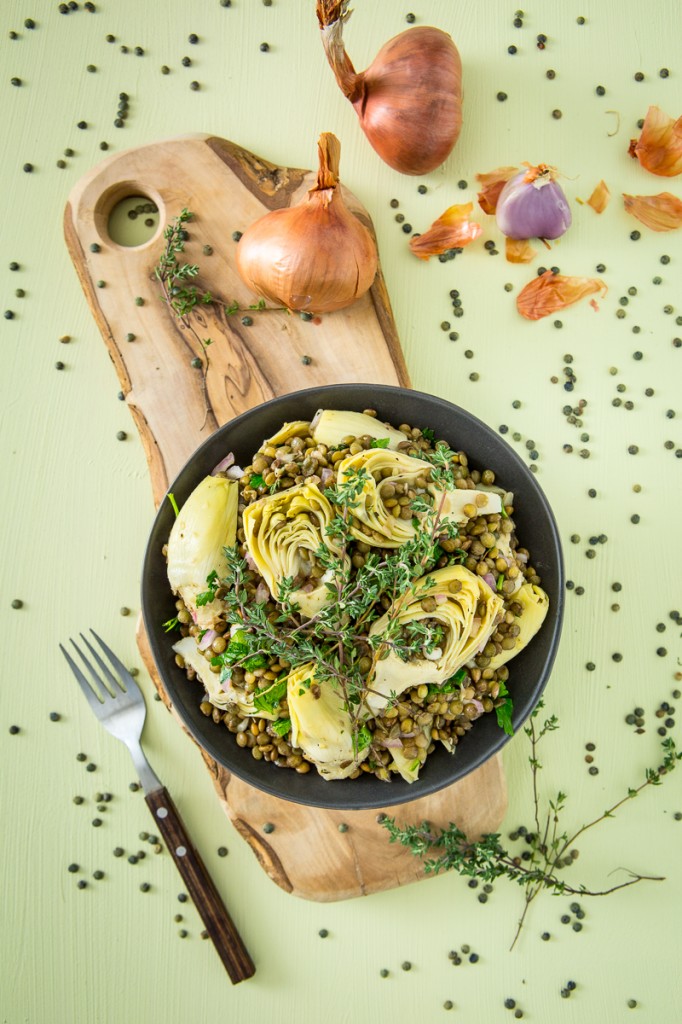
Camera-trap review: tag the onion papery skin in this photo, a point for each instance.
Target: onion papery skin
(315, 256)
(409, 100)
(411, 103)
(307, 257)
(527, 211)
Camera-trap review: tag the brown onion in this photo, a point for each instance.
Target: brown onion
(315, 256)
(409, 100)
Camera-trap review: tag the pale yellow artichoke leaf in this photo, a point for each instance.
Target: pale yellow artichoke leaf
(296, 428)
(451, 504)
(332, 426)
(321, 726)
(205, 525)
(535, 604)
(219, 695)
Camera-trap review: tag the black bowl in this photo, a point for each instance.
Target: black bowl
(529, 671)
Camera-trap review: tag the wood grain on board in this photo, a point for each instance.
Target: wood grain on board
(175, 408)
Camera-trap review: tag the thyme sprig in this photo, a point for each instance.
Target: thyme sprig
(184, 298)
(549, 849)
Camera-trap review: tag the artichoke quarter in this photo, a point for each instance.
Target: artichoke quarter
(450, 597)
(205, 525)
(320, 724)
(283, 531)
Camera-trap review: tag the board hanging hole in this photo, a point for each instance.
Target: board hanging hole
(133, 220)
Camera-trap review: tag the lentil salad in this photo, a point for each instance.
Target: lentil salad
(320, 512)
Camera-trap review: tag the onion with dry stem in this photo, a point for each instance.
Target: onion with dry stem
(314, 256)
(409, 100)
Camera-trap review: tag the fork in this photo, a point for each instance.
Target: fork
(117, 701)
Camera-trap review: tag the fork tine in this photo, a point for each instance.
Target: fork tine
(123, 672)
(113, 681)
(92, 697)
(98, 683)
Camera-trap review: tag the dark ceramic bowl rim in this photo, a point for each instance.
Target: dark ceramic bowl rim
(344, 794)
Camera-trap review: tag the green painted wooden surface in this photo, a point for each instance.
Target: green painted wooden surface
(77, 508)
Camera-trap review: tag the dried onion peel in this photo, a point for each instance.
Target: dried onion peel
(492, 184)
(600, 198)
(659, 147)
(315, 256)
(550, 292)
(660, 213)
(452, 230)
(519, 250)
(409, 100)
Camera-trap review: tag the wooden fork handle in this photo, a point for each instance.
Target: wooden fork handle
(201, 888)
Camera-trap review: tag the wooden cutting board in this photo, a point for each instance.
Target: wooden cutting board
(226, 188)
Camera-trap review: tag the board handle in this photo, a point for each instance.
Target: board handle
(200, 885)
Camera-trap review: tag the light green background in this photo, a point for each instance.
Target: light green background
(76, 509)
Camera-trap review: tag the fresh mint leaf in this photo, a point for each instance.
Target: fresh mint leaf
(282, 726)
(428, 433)
(257, 480)
(380, 442)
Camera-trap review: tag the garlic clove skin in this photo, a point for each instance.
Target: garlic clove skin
(532, 208)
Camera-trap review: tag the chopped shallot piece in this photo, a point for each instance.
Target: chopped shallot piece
(492, 184)
(660, 213)
(452, 230)
(207, 639)
(235, 473)
(600, 198)
(262, 593)
(551, 292)
(223, 464)
(659, 147)
(519, 250)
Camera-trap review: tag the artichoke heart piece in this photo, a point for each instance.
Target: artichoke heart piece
(321, 726)
(331, 426)
(283, 531)
(535, 604)
(373, 522)
(386, 474)
(220, 696)
(205, 525)
(296, 428)
(452, 597)
(452, 503)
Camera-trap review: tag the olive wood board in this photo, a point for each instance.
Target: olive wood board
(176, 407)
